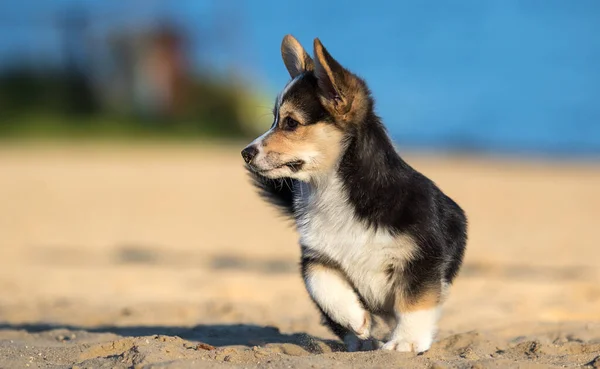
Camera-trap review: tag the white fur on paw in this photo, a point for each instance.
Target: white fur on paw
(398, 345)
(403, 345)
(414, 332)
(364, 331)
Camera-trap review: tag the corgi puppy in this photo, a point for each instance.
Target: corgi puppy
(378, 238)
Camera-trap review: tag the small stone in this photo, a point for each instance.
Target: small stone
(205, 346)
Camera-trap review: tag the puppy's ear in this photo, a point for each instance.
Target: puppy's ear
(329, 72)
(295, 58)
(339, 87)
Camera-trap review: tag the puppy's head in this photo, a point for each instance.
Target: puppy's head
(318, 109)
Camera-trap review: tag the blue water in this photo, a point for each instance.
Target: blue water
(509, 75)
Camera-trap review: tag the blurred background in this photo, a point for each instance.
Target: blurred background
(503, 76)
(123, 193)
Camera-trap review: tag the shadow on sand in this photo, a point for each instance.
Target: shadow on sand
(214, 334)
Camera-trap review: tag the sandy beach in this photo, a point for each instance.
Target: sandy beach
(115, 255)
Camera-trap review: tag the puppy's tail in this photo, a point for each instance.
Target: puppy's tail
(278, 192)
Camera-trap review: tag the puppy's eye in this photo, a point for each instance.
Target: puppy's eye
(290, 124)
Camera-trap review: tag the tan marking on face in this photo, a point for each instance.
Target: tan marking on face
(319, 144)
(288, 109)
(428, 299)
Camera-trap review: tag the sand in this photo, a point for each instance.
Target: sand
(115, 255)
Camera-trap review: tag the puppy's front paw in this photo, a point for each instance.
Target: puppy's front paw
(363, 330)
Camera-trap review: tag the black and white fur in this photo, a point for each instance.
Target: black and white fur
(377, 237)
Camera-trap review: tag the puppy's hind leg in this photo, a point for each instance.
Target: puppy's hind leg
(341, 308)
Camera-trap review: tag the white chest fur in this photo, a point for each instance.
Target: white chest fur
(327, 224)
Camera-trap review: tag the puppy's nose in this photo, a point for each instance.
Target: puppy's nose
(249, 153)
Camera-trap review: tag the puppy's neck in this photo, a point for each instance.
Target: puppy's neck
(367, 153)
